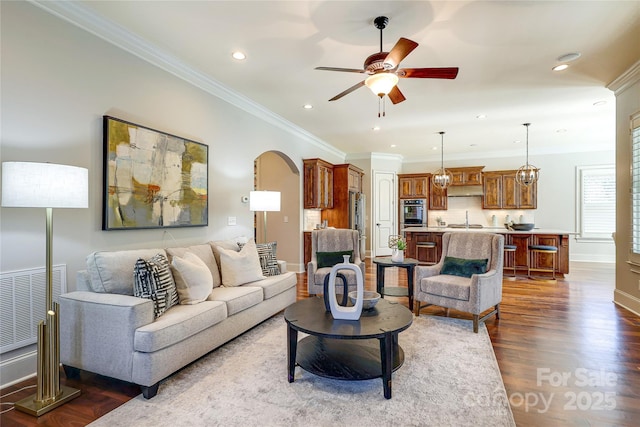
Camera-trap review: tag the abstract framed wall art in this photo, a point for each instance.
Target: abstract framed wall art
(152, 179)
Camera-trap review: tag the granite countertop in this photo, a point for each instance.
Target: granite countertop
(500, 230)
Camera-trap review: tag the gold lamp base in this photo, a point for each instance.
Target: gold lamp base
(36, 408)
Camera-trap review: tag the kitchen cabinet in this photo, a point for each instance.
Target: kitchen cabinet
(438, 200)
(413, 186)
(471, 175)
(318, 184)
(346, 179)
(501, 191)
(425, 256)
(354, 177)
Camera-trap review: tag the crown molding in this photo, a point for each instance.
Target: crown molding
(626, 79)
(80, 16)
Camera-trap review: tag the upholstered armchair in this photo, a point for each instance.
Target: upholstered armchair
(326, 248)
(462, 279)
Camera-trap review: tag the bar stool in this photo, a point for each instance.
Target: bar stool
(511, 249)
(542, 249)
(428, 246)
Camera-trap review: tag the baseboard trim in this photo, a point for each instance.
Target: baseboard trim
(18, 369)
(627, 301)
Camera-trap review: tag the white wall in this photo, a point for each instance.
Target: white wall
(556, 195)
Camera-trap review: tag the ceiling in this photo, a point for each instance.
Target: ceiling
(505, 52)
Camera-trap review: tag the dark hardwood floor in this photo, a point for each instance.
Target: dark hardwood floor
(568, 356)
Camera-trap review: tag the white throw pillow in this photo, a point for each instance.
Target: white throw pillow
(193, 278)
(242, 267)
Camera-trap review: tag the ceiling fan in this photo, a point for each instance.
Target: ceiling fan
(382, 68)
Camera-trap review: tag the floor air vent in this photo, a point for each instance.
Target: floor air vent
(22, 301)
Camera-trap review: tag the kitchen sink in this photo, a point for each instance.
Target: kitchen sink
(465, 226)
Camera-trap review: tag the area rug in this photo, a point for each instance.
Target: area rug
(450, 377)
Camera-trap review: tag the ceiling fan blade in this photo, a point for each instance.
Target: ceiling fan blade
(400, 51)
(428, 73)
(396, 96)
(344, 70)
(348, 91)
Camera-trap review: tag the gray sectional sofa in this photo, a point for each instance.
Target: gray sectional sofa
(106, 330)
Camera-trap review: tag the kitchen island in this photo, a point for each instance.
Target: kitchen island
(521, 239)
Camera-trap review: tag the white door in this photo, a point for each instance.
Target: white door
(384, 211)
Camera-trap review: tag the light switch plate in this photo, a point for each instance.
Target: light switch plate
(231, 220)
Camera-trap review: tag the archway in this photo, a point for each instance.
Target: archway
(275, 171)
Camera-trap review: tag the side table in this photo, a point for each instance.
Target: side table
(384, 262)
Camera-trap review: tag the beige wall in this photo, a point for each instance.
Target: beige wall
(627, 89)
(276, 172)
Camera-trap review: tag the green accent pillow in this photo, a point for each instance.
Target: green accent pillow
(463, 267)
(329, 259)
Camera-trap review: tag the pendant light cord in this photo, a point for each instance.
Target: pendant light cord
(527, 144)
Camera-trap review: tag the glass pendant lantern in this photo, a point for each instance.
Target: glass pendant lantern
(441, 178)
(528, 174)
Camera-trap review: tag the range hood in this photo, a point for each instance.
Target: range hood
(464, 190)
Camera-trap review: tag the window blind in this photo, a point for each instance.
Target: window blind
(597, 208)
(635, 184)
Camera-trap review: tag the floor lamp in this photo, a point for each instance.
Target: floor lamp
(265, 201)
(46, 185)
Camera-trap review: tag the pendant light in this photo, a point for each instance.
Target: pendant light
(442, 177)
(527, 174)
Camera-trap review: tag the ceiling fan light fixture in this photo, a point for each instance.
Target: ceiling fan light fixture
(381, 83)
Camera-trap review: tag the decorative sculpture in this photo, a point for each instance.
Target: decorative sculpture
(337, 311)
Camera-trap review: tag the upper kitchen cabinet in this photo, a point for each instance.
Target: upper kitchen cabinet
(501, 191)
(355, 175)
(471, 175)
(492, 190)
(413, 186)
(438, 200)
(318, 184)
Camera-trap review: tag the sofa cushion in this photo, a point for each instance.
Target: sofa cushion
(329, 259)
(241, 267)
(112, 271)
(205, 253)
(274, 285)
(268, 260)
(463, 267)
(153, 280)
(237, 298)
(178, 323)
(454, 287)
(193, 278)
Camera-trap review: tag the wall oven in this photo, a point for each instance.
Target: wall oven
(413, 213)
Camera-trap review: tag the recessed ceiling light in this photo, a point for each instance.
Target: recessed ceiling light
(561, 131)
(568, 57)
(473, 145)
(376, 128)
(307, 106)
(560, 67)
(238, 55)
(393, 146)
(434, 148)
(517, 141)
(481, 116)
(599, 103)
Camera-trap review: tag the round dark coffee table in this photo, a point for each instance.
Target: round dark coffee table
(346, 349)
